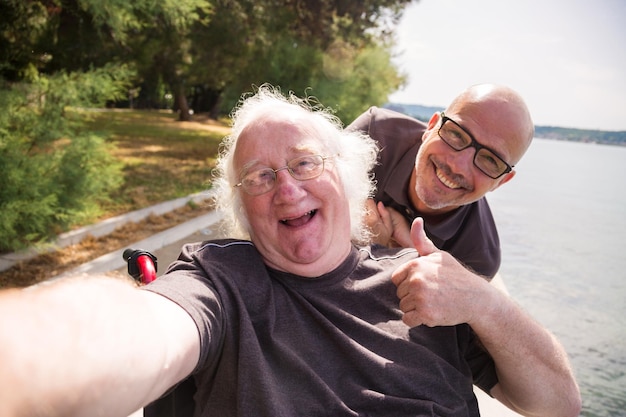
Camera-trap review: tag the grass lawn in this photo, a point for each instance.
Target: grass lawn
(162, 158)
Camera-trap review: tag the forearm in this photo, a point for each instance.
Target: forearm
(533, 370)
(93, 347)
(534, 374)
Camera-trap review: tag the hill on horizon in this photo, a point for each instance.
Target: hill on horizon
(603, 137)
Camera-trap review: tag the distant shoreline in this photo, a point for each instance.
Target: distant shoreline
(600, 137)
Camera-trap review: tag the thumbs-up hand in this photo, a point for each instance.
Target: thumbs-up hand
(435, 289)
(420, 241)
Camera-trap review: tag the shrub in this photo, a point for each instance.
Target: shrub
(54, 174)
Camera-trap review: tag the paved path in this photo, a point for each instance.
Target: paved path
(100, 229)
(164, 245)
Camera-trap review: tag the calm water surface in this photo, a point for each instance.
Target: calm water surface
(562, 223)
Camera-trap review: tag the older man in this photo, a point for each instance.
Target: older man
(301, 319)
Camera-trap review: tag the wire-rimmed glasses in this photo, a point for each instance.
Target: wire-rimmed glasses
(262, 180)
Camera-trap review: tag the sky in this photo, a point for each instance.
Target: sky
(567, 58)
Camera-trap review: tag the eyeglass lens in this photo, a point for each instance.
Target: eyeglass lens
(262, 180)
(484, 158)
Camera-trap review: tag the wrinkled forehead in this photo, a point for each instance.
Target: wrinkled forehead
(276, 139)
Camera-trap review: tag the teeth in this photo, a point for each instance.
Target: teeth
(446, 181)
(308, 213)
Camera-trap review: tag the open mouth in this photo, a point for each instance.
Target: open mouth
(445, 180)
(299, 221)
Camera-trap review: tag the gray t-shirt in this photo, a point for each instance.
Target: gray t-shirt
(468, 233)
(276, 344)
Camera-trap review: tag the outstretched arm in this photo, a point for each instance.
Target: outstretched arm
(90, 346)
(534, 374)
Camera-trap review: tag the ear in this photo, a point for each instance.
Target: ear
(503, 180)
(434, 119)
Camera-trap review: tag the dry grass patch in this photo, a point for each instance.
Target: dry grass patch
(48, 265)
(162, 159)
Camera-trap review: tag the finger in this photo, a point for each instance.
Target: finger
(385, 216)
(402, 289)
(407, 304)
(401, 230)
(421, 242)
(411, 319)
(400, 275)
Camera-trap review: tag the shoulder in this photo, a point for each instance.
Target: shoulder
(390, 128)
(217, 260)
(377, 118)
(218, 249)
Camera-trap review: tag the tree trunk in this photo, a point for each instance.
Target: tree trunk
(180, 100)
(215, 109)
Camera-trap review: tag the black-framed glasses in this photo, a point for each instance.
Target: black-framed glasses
(485, 159)
(263, 180)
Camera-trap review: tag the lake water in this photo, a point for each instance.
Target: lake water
(562, 224)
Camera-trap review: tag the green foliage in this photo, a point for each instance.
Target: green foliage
(60, 53)
(54, 173)
(345, 78)
(127, 17)
(21, 26)
(360, 81)
(199, 48)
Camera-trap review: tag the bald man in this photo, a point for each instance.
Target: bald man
(442, 170)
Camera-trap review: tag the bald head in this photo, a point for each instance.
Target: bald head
(500, 110)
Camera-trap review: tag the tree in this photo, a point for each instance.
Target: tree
(55, 54)
(76, 35)
(365, 79)
(203, 49)
(54, 172)
(22, 25)
(300, 45)
(244, 43)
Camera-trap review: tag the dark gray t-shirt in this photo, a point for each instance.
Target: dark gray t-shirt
(277, 344)
(468, 233)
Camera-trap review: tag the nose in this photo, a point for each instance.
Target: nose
(287, 187)
(460, 162)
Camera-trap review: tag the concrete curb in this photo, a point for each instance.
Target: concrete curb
(105, 227)
(114, 260)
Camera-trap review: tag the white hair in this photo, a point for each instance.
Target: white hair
(355, 156)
